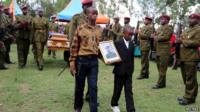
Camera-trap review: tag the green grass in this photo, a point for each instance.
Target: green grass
(30, 90)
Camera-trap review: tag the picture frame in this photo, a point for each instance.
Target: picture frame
(109, 52)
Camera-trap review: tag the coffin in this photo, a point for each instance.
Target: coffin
(58, 41)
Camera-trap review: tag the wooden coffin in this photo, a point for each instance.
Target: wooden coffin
(58, 41)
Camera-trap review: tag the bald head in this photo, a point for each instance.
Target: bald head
(128, 32)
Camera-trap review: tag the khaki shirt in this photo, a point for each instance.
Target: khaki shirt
(191, 42)
(40, 27)
(144, 36)
(163, 35)
(85, 41)
(25, 32)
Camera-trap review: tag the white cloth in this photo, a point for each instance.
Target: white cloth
(126, 43)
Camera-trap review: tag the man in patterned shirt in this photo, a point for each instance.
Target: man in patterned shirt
(84, 60)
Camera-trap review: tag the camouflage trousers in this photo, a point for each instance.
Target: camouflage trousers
(22, 50)
(189, 74)
(162, 65)
(144, 64)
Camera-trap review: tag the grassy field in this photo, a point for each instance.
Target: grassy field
(30, 90)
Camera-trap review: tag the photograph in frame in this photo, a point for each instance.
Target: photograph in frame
(109, 52)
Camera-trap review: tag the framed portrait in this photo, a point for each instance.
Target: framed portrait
(109, 52)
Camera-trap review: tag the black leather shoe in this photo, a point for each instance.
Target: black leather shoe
(142, 77)
(158, 87)
(3, 68)
(186, 102)
(9, 62)
(40, 68)
(77, 110)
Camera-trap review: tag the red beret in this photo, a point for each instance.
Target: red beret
(148, 18)
(86, 1)
(195, 15)
(127, 18)
(165, 16)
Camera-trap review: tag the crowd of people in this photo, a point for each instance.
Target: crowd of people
(85, 35)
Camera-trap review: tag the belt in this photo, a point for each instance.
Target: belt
(144, 39)
(88, 56)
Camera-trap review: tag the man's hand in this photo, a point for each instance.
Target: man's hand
(178, 40)
(136, 31)
(73, 68)
(153, 35)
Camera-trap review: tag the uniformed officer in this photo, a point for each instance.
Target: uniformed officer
(144, 36)
(53, 27)
(84, 60)
(79, 19)
(189, 57)
(162, 39)
(40, 27)
(3, 27)
(126, 21)
(9, 36)
(115, 30)
(23, 24)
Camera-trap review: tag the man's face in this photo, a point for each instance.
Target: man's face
(25, 11)
(92, 15)
(193, 21)
(126, 21)
(116, 20)
(164, 21)
(128, 34)
(146, 21)
(40, 13)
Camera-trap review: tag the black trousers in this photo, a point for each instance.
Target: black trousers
(126, 81)
(7, 43)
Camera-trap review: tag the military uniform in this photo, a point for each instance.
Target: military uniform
(144, 36)
(3, 26)
(189, 57)
(40, 27)
(23, 23)
(115, 32)
(53, 27)
(163, 35)
(77, 20)
(8, 39)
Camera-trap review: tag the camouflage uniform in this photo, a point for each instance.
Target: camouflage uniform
(77, 20)
(115, 32)
(8, 39)
(189, 57)
(144, 36)
(163, 52)
(40, 27)
(23, 23)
